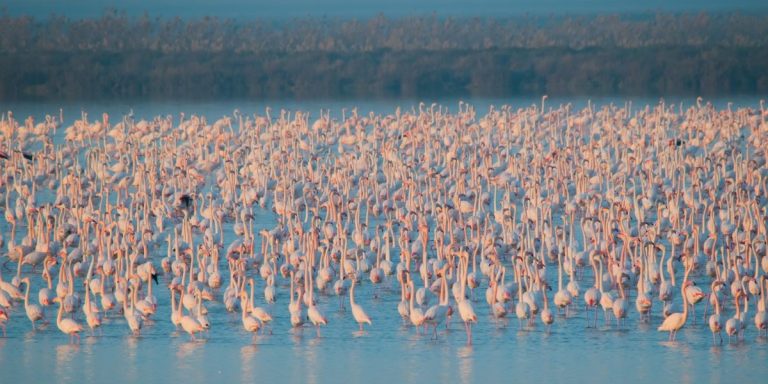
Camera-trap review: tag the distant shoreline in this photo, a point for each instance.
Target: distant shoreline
(121, 57)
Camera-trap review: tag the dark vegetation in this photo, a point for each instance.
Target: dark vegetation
(117, 56)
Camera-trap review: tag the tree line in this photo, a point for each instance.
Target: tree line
(116, 56)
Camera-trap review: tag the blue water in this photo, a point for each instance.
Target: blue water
(388, 351)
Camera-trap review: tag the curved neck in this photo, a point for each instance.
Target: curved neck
(61, 310)
(412, 295)
(599, 278)
(685, 302)
(26, 295)
(251, 283)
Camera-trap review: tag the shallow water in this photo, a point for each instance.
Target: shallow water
(385, 352)
(388, 351)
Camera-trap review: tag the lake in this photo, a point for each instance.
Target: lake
(388, 351)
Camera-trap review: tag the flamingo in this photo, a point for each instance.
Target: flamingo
(175, 313)
(620, 305)
(259, 313)
(466, 312)
(693, 295)
(436, 314)
(498, 309)
(546, 314)
(563, 297)
(131, 313)
(716, 320)
(675, 321)
(733, 324)
(522, 311)
(250, 323)
(34, 312)
(761, 317)
(643, 301)
(90, 310)
(593, 294)
(313, 313)
(67, 326)
(10, 289)
(189, 323)
(294, 307)
(357, 311)
(665, 289)
(403, 307)
(415, 314)
(45, 295)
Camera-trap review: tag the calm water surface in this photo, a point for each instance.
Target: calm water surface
(387, 352)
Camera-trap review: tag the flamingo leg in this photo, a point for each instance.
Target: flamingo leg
(595, 316)
(470, 333)
(693, 309)
(706, 307)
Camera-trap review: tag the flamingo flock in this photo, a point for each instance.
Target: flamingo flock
(604, 206)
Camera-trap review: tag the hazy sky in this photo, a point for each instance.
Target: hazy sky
(361, 8)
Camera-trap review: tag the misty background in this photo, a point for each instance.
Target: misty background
(343, 49)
